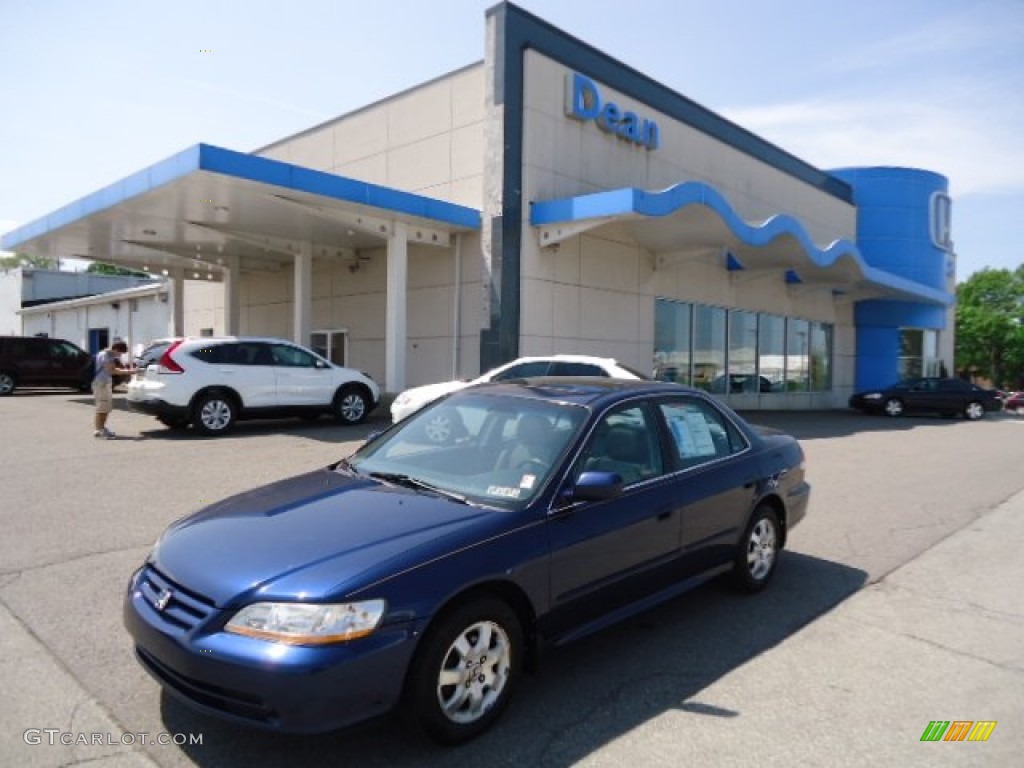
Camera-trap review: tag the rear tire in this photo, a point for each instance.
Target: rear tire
(214, 413)
(759, 550)
(463, 677)
(7, 383)
(444, 426)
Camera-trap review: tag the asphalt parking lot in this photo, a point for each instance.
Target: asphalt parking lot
(896, 604)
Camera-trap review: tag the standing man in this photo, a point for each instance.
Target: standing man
(108, 364)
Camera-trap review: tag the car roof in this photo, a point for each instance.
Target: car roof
(225, 339)
(583, 390)
(562, 356)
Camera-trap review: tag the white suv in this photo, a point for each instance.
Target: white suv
(212, 382)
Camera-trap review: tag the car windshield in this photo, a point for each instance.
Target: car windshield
(486, 449)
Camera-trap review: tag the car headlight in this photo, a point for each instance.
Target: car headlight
(308, 623)
(873, 396)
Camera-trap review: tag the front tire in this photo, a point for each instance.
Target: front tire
(214, 414)
(7, 383)
(974, 411)
(465, 672)
(351, 405)
(759, 551)
(893, 407)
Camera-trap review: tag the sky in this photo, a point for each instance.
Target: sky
(94, 90)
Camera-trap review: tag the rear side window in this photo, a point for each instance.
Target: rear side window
(523, 370)
(576, 369)
(217, 354)
(699, 432)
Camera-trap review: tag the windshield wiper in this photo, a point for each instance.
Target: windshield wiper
(408, 481)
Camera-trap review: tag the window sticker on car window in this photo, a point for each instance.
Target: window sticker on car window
(692, 433)
(527, 481)
(503, 491)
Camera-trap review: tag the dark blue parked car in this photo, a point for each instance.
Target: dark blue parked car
(427, 574)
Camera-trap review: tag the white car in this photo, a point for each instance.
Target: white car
(212, 382)
(411, 400)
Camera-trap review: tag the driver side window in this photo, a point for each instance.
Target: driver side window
(626, 442)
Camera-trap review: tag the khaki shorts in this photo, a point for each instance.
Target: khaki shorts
(104, 394)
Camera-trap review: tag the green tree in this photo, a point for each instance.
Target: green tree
(26, 260)
(99, 268)
(990, 325)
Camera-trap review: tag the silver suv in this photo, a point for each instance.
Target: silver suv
(210, 383)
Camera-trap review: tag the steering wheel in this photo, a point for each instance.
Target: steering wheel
(538, 465)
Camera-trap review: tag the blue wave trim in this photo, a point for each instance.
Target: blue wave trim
(632, 201)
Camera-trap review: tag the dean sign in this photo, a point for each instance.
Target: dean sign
(583, 102)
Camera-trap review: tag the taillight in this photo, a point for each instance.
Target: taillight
(167, 363)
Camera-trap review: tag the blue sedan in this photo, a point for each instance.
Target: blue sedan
(425, 576)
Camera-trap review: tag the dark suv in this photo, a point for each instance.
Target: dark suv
(35, 361)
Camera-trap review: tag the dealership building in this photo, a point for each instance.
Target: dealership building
(546, 199)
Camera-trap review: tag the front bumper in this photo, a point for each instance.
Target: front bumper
(863, 404)
(291, 688)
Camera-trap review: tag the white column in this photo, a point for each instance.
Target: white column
(395, 321)
(177, 275)
(457, 307)
(232, 296)
(302, 296)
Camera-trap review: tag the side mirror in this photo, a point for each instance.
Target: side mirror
(597, 486)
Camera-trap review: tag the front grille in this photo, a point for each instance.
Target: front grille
(216, 697)
(178, 607)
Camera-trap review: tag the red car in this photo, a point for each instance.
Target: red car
(1015, 403)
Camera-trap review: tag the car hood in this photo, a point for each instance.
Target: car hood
(306, 537)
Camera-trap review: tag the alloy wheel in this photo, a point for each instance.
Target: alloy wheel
(475, 672)
(216, 415)
(762, 547)
(894, 407)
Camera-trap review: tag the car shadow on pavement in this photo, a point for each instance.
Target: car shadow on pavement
(806, 425)
(585, 695)
(324, 428)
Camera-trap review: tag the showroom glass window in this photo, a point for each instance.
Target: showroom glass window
(771, 351)
(821, 357)
(798, 345)
(743, 351)
(763, 353)
(708, 345)
(672, 326)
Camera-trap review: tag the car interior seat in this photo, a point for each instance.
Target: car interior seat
(532, 442)
(620, 449)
